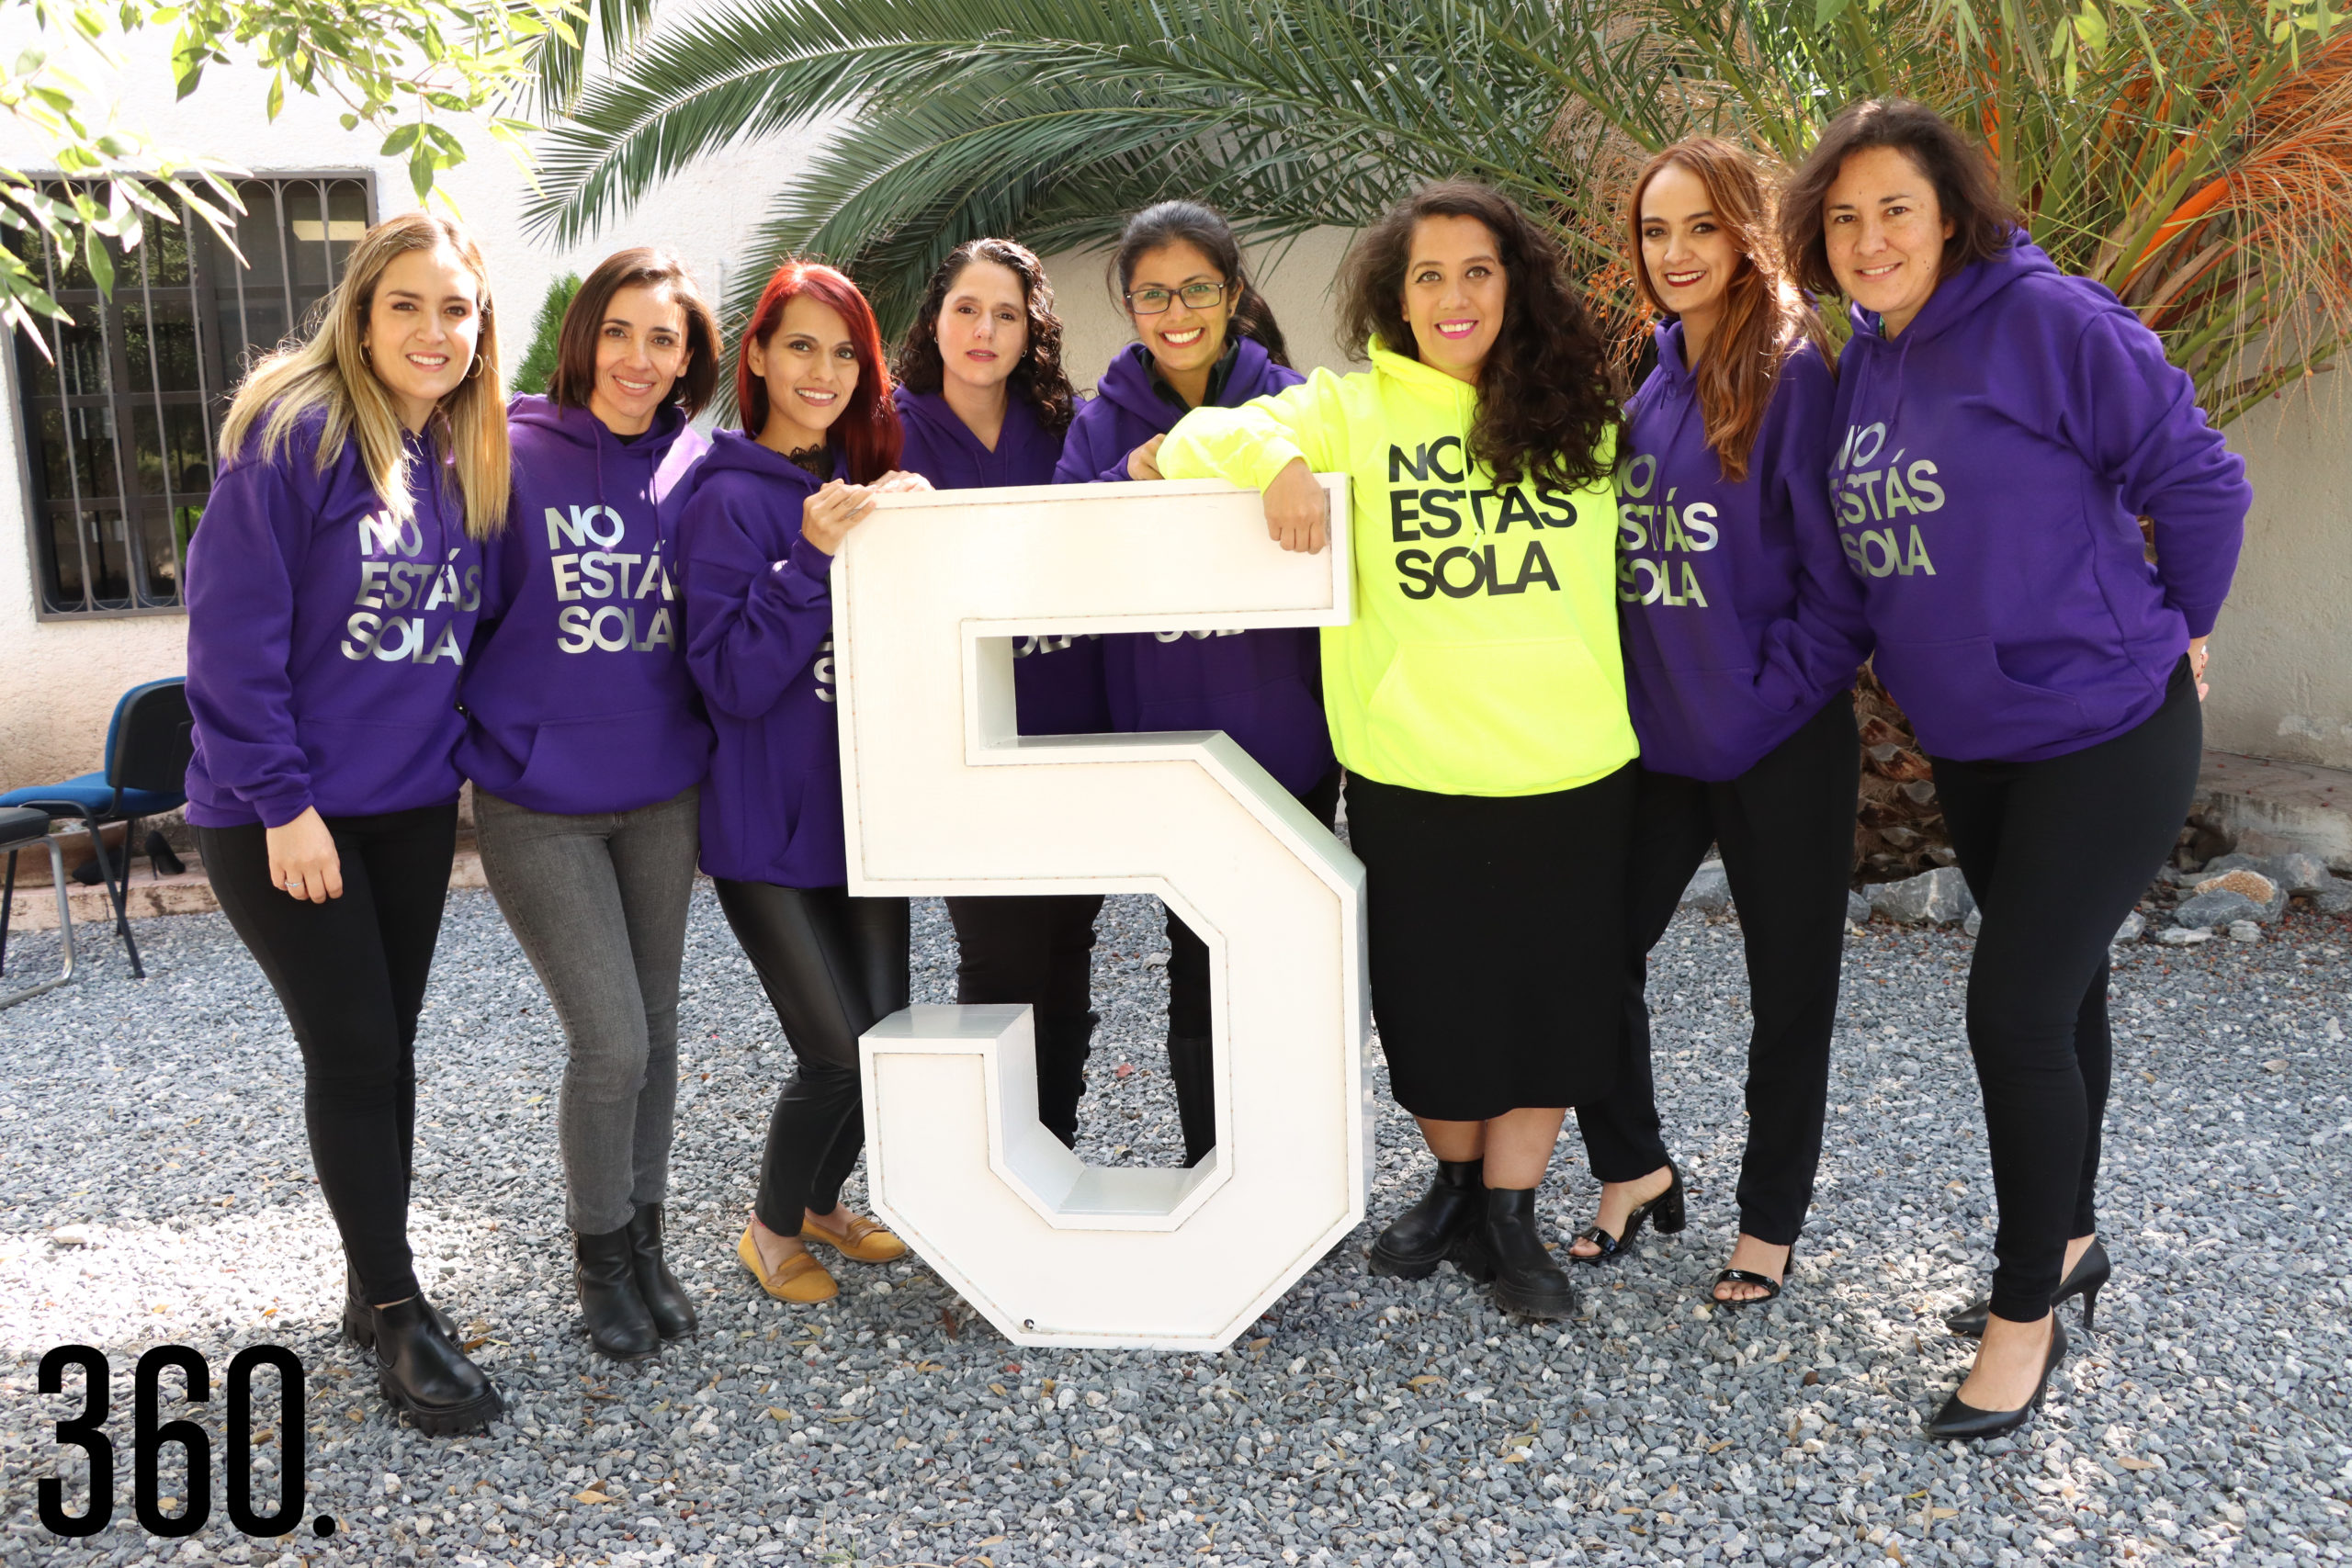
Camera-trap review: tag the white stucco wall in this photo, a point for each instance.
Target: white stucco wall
(2282, 651)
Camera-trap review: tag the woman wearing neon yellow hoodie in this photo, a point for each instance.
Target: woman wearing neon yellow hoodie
(1477, 700)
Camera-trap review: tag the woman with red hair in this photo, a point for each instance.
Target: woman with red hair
(767, 511)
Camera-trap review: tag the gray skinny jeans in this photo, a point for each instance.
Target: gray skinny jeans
(599, 905)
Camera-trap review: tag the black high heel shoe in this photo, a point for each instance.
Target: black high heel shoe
(1967, 1424)
(1666, 1213)
(1441, 1225)
(1770, 1286)
(2090, 1274)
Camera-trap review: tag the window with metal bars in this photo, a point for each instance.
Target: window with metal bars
(119, 422)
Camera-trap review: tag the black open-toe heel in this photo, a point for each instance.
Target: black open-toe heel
(2090, 1276)
(1666, 1213)
(1768, 1285)
(1968, 1424)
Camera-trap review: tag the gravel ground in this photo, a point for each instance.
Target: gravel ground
(1366, 1420)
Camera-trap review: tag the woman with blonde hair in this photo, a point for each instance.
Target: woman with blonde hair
(333, 590)
(1742, 631)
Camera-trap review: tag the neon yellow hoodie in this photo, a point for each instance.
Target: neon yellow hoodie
(1483, 659)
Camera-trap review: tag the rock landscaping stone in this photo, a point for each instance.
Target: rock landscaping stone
(1710, 889)
(1933, 898)
(2266, 893)
(1974, 924)
(2185, 936)
(1362, 1421)
(2245, 931)
(1858, 909)
(2218, 907)
(2129, 930)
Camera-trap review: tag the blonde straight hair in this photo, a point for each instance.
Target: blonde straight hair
(330, 371)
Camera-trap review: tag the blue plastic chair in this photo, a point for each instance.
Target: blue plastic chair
(148, 746)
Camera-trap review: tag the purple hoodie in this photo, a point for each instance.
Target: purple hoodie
(325, 639)
(579, 698)
(1263, 688)
(1991, 461)
(759, 642)
(1057, 681)
(1740, 618)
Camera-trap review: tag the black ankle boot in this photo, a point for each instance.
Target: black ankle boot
(424, 1374)
(664, 1298)
(1192, 1065)
(1526, 1279)
(359, 1323)
(604, 1271)
(1441, 1225)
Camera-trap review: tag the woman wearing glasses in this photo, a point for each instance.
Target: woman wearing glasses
(1203, 338)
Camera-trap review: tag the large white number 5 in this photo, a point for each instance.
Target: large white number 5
(942, 797)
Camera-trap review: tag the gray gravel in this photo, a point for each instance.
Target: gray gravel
(156, 1189)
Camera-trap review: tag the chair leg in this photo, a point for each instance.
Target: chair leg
(64, 926)
(8, 907)
(119, 893)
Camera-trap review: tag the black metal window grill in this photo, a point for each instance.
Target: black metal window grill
(119, 422)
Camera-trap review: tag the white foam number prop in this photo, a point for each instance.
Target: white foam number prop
(944, 797)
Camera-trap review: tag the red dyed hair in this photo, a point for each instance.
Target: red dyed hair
(867, 433)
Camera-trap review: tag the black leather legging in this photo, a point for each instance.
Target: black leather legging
(833, 966)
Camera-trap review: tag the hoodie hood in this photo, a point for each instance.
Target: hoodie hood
(578, 699)
(942, 449)
(1990, 466)
(1132, 383)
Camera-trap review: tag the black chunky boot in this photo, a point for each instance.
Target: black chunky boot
(1442, 1224)
(424, 1374)
(605, 1271)
(1191, 1066)
(673, 1314)
(1526, 1280)
(359, 1319)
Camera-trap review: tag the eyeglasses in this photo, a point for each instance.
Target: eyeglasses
(1196, 297)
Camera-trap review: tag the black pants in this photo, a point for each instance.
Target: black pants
(833, 966)
(350, 974)
(2056, 852)
(1038, 950)
(1786, 828)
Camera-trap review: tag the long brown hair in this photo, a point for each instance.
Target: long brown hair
(1039, 380)
(330, 370)
(1764, 316)
(1547, 407)
(641, 267)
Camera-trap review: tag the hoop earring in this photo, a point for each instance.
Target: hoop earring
(475, 373)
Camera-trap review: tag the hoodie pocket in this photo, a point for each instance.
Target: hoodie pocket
(361, 767)
(1495, 717)
(1966, 707)
(614, 762)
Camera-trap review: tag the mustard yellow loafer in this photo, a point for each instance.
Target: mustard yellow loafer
(864, 1242)
(801, 1279)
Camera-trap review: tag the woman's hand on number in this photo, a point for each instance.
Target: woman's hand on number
(1143, 463)
(838, 506)
(302, 858)
(2198, 658)
(1298, 512)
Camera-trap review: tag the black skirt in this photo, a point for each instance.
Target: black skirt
(1497, 928)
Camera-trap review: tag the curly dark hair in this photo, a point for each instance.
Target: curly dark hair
(1968, 189)
(1039, 380)
(1548, 407)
